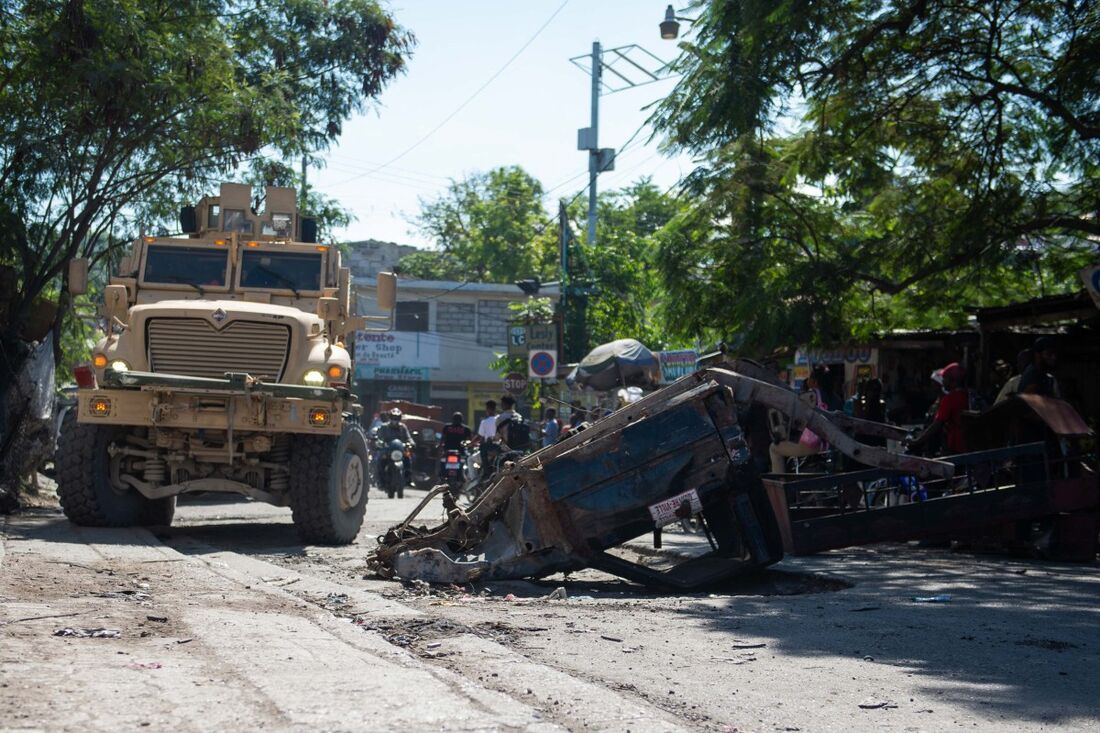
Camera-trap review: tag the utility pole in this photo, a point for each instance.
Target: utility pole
(574, 297)
(629, 66)
(594, 151)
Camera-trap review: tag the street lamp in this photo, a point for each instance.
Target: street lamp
(670, 27)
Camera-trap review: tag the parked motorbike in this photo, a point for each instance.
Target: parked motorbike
(391, 469)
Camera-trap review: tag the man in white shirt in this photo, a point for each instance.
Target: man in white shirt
(487, 428)
(487, 433)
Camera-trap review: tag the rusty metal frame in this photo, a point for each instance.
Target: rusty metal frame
(519, 493)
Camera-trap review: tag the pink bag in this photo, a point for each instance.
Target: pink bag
(811, 440)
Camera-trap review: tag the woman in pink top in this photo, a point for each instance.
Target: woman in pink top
(808, 443)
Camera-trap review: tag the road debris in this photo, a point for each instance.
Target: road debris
(609, 638)
(144, 665)
(678, 453)
(941, 598)
(38, 618)
(157, 619)
(127, 594)
(89, 633)
(873, 703)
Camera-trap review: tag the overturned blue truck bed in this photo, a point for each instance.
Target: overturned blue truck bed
(679, 452)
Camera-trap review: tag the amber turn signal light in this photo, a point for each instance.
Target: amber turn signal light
(99, 361)
(100, 406)
(318, 417)
(335, 371)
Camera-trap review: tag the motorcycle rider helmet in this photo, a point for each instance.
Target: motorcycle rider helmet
(395, 415)
(456, 419)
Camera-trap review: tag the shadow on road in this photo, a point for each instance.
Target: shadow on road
(1018, 638)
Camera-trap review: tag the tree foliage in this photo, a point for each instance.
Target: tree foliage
(493, 224)
(875, 164)
(109, 106)
(620, 269)
(494, 227)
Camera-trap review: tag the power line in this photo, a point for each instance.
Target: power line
(469, 99)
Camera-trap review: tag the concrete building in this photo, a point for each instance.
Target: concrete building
(445, 336)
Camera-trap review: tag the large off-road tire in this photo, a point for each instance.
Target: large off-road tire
(84, 487)
(328, 485)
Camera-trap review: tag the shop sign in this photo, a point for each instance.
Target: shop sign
(406, 392)
(676, 364)
(542, 337)
(850, 355)
(392, 374)
(415, 349)
(517, 341)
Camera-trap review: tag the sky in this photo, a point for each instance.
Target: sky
(528, 115)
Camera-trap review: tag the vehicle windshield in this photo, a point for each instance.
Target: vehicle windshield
(196, 266)
(294, 271)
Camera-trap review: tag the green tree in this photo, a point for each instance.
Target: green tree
(876, 164)
(110, 106)
(494, 224)
(432, 265)
(627, 298)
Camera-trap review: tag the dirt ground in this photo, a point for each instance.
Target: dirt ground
(227, 621)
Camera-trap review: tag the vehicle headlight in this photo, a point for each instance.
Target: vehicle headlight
(120, 366)
(313, 378)
(397, 456)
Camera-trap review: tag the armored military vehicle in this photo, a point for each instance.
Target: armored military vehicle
(224, 369)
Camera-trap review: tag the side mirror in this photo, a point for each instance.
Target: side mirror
(115, 302)
(328, 309)
(189, 223)
(78, 276)
(387, 291)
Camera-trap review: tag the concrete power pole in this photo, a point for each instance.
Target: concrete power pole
(628, 67)
(594, 151)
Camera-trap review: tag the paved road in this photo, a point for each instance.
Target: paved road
(258, 631)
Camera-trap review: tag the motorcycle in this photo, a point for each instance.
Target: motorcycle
(453, 471)
(391, 469)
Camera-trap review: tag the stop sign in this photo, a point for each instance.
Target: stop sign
(515, 383)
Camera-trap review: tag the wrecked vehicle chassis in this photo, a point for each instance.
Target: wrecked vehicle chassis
(678, 452)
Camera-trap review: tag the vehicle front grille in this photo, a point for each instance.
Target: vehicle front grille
(193, 347)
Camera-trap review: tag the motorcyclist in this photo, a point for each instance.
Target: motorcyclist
(455, 436)
(394, 429)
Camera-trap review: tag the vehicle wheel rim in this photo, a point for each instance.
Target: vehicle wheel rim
(351, 483)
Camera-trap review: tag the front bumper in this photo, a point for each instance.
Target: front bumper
(196, 403)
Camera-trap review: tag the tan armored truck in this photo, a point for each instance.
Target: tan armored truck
(225, 368)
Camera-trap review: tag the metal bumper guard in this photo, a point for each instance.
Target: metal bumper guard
(238, 402)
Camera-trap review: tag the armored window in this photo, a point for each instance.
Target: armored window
(236, 221)
(201, 266)
(294, 271)
(213, 213)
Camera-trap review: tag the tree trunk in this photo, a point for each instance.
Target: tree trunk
(27, 434)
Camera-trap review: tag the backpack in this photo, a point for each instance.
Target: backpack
(519, 432)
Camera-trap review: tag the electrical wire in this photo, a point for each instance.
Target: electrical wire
(469, 99)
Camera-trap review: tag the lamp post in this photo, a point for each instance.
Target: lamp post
(670, 26)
